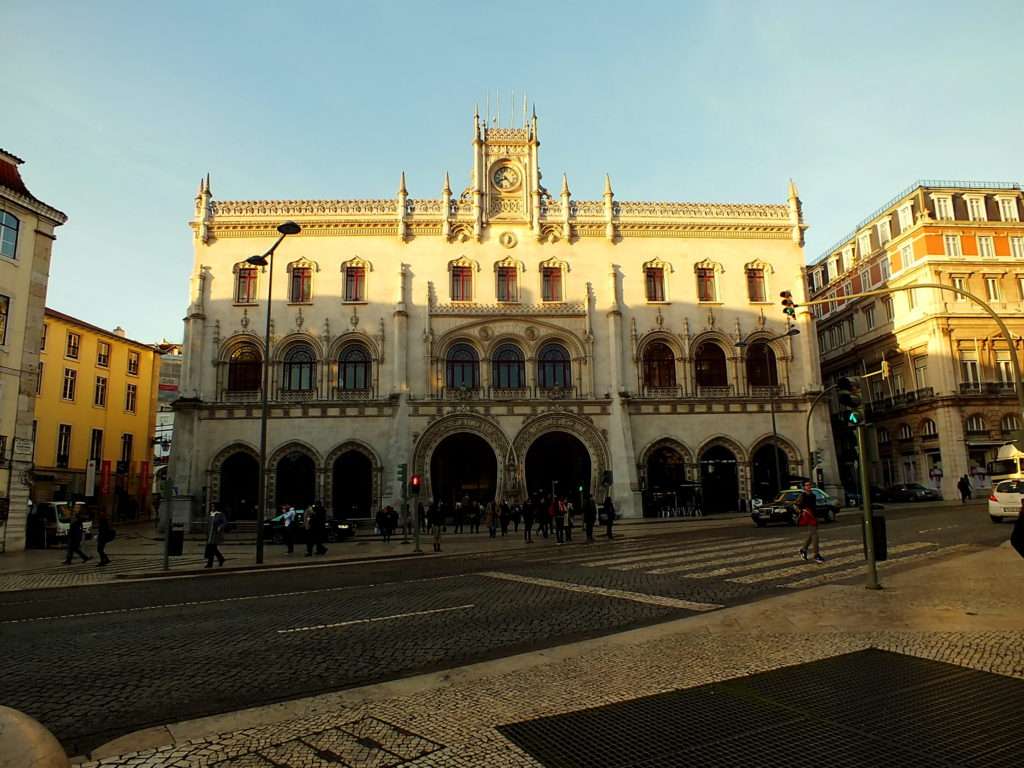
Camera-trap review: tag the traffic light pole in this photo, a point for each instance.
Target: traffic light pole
(865, 494)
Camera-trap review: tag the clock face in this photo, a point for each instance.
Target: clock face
(506, 178)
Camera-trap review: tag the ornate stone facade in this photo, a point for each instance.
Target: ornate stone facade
(506, 319)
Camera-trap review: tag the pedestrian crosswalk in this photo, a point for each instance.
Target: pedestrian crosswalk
(773, 561)
(55, 574)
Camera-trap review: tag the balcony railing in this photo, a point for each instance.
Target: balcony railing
(764, 391)
(298, 396)
(987, 388)
(507, 393)
(662, 393)
(714, 391)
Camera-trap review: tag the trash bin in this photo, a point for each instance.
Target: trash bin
(176, 543)
(878, 536)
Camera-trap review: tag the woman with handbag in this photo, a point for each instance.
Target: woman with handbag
(807, 503)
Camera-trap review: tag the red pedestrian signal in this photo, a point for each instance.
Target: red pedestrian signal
(788, 305)
(414, 485)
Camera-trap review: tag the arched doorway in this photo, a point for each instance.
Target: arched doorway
(559, 462)
(295, 481)
(239, 486)
(765, 482)
(720, 480)
(666, 490)
(463, 464)
(352, 476)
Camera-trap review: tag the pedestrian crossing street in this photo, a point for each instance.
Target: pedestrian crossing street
(771, 561)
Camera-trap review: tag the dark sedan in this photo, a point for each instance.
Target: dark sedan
(911, 492)
(273, 529)
(782, 509)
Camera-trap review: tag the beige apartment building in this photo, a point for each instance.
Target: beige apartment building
(501, 338)
(949, 400)
(27, 227)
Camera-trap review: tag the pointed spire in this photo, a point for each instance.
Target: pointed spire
(199, 189)
(476, 123)
(565, 185)
(447, 184)
(204, 186)
(401, 185)
(793, 193)
(607, 184)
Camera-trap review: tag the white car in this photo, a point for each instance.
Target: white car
(1005, 500)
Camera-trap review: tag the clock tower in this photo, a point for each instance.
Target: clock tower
(506, 176)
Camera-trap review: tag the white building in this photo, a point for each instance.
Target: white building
(498, 341)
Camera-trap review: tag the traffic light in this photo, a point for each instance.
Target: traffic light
(788, 305)
(401, 473)
(851, 406)
(817, 458)
(414, 485)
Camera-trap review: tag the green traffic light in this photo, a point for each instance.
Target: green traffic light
(854, 418)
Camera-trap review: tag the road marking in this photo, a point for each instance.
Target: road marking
(239, 599)
(677, 550)
(796, 570)
(375, 618)
(753, 563)
(847, 573)
(943, 528)
(636, 597)
(694, 562)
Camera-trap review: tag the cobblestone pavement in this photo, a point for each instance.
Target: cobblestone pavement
(962, 611)
(147, 653)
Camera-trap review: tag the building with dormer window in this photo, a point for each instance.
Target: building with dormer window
(505, 340)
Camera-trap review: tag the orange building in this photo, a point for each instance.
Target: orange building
(949, 401)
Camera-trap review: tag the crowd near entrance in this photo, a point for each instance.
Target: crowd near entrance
(352, 485)
(719, 479)
(463, 465)
(558, 463)
(766, 484)
(239, 486)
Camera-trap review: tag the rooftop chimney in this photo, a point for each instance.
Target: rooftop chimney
(119, 331)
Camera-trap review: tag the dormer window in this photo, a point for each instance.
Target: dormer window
(943, 207)
(975, 207)
(884, 232)
(864, 243)
(906, 217)
(1008, 209)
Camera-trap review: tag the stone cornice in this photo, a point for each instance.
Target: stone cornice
(34, 205)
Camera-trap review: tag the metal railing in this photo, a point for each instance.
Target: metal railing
(507, 393)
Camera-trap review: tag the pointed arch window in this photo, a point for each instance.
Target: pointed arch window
(353, 275)
(245, 369)
(659, 366)
(762, 369)
(755, 284)
(462, 367)
(354, 373)
(461, 276)
(554, 367)
(245, 284)
(508, 370)
(301, 291)
(299, 369)
(506, 280)
(552, 280)
(709, 366)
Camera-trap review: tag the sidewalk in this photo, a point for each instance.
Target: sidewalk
(964, 610)
(137, 553)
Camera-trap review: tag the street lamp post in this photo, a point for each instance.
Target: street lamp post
(266, 260)
(772, 384)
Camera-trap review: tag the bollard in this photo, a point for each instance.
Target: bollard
(24, 742)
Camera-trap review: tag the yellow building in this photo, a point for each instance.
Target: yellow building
(27, 227)
(96, 409)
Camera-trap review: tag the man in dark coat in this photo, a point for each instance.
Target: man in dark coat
(75, 534)
(609, 514)
(589, 517)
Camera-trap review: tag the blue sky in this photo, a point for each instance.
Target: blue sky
(119, 108)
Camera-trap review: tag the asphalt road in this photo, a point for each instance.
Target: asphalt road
(93, 663)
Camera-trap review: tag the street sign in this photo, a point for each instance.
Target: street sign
(22, 446)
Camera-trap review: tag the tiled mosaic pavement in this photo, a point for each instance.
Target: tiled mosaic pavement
(456, 725)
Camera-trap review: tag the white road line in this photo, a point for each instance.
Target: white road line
(847, 573)
(375, 618)
(782, 573)
(636, 597)
(695, 562)
(679, 549)
(791, 557)
(242, 598)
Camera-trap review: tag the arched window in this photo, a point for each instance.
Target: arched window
(1010, 423)
(354, 372)
(905, 432)
(9, 225)
(245, 285)
(975, 424)
(507, 368)
(245, 369)
(554, 369)
(928, 428)
(761, 368)
(462, 367)
(709, 366)
(883, 436)
(659, 366)
(299, 369)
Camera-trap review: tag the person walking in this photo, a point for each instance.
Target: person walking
(543, 521)
(609, 515)
(504, 517)
(75, 535)
(557, 517)
(319, 527)
(215, 537)
(964, 486)
(460, 515)
(589, 517)
(475, 513)
(289, 528)
(568, 515)
(491, 518)
(807, 503)
(436, 521)
(382, 523)
(528, 508)
(105, 534)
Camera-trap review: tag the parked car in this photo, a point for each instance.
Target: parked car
(273, 529)
(782, 509)
(54, 518)
(911, 492)
(1005, 500)
(853, 497)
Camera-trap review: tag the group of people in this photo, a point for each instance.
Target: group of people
(314, 527)
(105, 534)
(548, 512)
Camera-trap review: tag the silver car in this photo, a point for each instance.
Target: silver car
(1004, 501)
